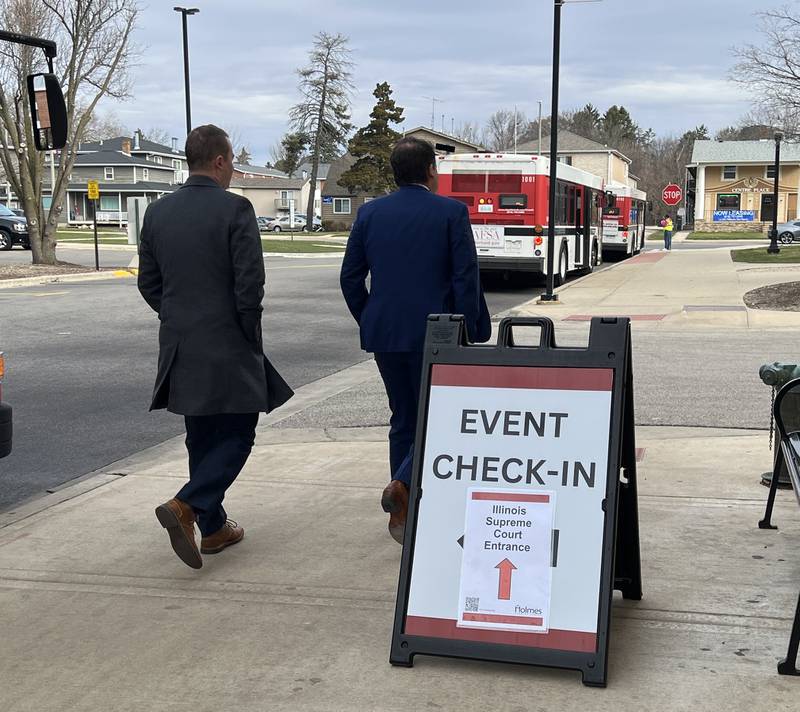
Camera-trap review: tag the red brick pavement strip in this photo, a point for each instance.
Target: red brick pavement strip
(648, 257)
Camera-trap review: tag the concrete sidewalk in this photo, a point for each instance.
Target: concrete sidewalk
(682, 288)
(98, 613)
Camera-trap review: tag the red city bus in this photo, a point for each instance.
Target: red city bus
(624, 222)
(508, 202)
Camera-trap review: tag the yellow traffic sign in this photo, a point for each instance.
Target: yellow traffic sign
(94, 190)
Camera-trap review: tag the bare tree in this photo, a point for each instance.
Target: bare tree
(771, 71)
(94, 52)
(104, 126)
(469, 131)
(502, 127)
(159, 135)
(324, 113)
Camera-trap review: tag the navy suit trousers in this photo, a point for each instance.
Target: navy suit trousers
(218, 446)
(401, 372)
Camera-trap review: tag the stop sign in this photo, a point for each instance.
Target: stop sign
(672, 194)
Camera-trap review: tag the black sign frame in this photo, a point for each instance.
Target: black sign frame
(609, 348)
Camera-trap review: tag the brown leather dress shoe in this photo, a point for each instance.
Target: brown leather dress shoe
(395, 502)
(230, 534)
(178, 519)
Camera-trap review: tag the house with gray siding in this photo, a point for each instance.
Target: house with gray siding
(125, 168)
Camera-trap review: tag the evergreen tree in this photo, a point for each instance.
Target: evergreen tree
(372, 146)
(291, 151)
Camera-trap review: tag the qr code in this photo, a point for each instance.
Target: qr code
(471, 604)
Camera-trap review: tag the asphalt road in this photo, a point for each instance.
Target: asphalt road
(81, 362)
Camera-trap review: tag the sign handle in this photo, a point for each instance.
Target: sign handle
(547, 339)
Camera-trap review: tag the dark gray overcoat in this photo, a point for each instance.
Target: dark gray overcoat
(201, 268)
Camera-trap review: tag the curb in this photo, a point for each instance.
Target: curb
(304, 255)
(64, 278)
(90, 246)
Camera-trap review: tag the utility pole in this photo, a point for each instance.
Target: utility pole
(185, 12)
(540, 127)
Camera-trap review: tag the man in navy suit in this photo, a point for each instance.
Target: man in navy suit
(419, 252)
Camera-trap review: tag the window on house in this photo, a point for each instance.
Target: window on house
(771, 172)
(109, 203)
(728, 201)
(145, 174)
(109, 173)
(176, 164)
(729, 173)
(565, 159)
(158, 160)
(341, 206)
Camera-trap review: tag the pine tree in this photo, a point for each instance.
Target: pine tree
(372, 146)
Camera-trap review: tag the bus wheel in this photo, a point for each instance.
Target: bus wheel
(561, 275)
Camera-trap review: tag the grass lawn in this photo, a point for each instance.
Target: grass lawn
(298, 246)
(787, 255)
(727, 236)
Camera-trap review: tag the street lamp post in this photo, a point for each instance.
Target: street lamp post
(549, 295)
(773, 248)
(186, 11)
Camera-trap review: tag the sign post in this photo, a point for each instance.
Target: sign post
(523, 508)
(93, 189)
(672, 195)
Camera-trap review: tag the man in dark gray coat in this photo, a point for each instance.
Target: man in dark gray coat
(201, 268)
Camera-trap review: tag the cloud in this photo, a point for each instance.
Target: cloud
(476, 57)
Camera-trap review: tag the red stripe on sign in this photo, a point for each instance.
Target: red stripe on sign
(574, 641)
(557, 379)
(491, 618)
(500, 497)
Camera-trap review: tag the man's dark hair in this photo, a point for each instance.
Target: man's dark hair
(204, 144)
(411, 159)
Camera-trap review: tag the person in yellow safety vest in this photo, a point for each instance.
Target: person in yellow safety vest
(666, 223)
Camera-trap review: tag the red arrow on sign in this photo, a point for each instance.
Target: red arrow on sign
(504, 587)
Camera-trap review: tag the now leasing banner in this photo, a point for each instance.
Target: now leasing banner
(510, 529)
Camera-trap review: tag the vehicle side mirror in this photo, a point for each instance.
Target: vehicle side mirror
(48, 112)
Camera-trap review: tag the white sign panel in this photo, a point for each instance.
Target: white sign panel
(611, 230)
(505, 568)
(520, 431)
(488, 235)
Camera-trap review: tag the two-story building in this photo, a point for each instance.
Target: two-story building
(731, 184)
(125, 168)
(611, 165)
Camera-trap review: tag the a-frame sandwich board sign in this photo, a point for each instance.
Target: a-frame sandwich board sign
(523, 515)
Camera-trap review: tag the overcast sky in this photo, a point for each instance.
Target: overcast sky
(667, 62)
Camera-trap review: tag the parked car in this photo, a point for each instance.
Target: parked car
(788, 232)
(263, 222)
(13, 230)
(5, 415)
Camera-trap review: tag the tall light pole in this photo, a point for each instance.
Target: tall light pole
(549, 295)
(773, 248)
(185, 12)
